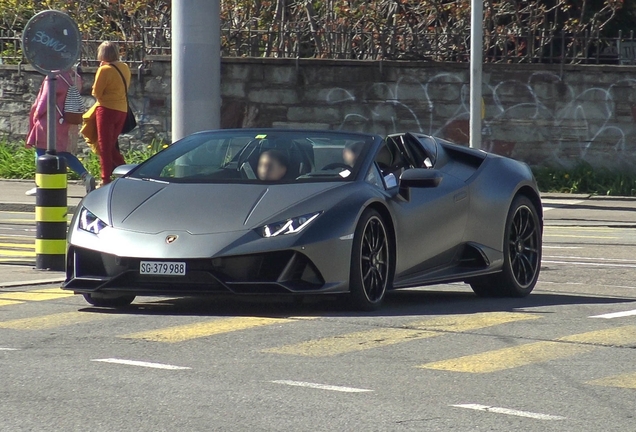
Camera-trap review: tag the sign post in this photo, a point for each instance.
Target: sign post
(51, 43)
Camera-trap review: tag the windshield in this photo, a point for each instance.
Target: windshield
(248, 156)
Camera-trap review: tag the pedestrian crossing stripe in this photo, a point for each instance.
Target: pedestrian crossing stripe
(30, 246)
(627, 380)
(537, 352)
(17, 297)
(376, 338)
(203, 329)
(17, 253)
(46, 322)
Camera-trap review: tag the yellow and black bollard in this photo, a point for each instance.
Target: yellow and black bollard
(50, 213)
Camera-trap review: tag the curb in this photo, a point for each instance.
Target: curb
(563, 196)
(32, 282)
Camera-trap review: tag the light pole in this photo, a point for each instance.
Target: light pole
(196, 66)
(476, 59)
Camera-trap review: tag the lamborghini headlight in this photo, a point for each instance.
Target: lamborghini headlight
(89, 222)
(289, 226)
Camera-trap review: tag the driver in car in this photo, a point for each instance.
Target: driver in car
(272, 165)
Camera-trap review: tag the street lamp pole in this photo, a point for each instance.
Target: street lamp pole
(476, 59)
(196, 66)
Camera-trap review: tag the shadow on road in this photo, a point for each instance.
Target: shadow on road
(399, 303)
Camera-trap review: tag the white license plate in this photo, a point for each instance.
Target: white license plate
(162, 268)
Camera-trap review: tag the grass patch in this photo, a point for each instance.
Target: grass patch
(584, 179)
(18, 162)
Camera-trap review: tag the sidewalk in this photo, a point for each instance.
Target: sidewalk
(12, 197)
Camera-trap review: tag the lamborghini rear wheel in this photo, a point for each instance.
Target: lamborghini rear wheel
(109, 301)
(371, 262)
(522, 254)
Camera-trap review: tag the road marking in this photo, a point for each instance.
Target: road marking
(364, 340)
(141, 364)
(202, 329)
(627, 380)
(16, 253)
(537, 352)
(45, 322)
(561, 247)
(590, 258)
(9, 349)
(322, 386)
(34, 295)
(9, 302)
(18, 245)
(590, 264)
(580, 283)
(616, 314)
(579, 236)
(509, 411)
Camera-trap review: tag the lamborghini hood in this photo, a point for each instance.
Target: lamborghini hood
(152, 207)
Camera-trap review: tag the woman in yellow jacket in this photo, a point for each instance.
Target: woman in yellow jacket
(111, 83)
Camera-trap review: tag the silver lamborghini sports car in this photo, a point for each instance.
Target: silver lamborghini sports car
(307, 212)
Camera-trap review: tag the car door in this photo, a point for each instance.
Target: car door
(431, 223)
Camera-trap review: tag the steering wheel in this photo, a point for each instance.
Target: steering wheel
(335, 165)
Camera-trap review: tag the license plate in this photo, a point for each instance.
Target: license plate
(162, 268)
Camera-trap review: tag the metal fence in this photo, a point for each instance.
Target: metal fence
(301, 42)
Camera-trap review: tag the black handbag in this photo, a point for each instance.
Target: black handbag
(131, 121)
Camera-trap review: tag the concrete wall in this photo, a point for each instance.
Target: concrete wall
(541, 114)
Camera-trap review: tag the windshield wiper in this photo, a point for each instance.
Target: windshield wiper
(154, 180)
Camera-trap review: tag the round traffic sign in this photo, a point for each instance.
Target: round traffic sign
(51, 41)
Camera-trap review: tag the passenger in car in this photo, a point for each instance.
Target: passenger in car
(272, 165)
(351, 152)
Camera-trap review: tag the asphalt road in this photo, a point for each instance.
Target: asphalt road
(433, 359)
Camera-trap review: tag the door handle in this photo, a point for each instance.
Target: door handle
(460, 196)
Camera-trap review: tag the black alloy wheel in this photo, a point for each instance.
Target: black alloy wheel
(523, 244)
(522, 254)
(371, 262)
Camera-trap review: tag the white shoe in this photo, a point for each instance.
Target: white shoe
(31, 192)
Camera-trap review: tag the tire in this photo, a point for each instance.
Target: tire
(371, 263)
(111, 302)
(522, 254)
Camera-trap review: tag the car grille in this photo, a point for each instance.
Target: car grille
(272, 272)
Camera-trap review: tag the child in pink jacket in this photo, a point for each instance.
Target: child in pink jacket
(65, 132)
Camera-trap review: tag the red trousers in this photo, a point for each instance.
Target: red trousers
(109, 125)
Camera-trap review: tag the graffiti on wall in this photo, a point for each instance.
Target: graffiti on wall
(544, 110)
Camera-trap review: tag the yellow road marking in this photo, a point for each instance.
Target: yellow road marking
(36, 295)
(16, 253)
(9, 302)
(202, 329)
(15, 260)
(18, 245)
(627, 380)
(618, 336)
(364, 340)
(52, 321)
(509, 358)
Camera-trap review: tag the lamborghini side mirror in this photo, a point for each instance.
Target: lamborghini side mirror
(122, 170)
(418, 178)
